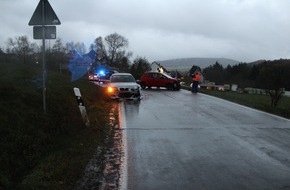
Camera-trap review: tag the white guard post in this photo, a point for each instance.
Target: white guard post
(81, 106)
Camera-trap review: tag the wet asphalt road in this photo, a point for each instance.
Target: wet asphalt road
(179, 140)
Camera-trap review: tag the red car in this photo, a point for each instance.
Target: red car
(156, 79)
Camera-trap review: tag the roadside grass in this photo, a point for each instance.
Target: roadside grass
(47, 151)
(259, 102)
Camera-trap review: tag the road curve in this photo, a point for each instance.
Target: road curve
(179, 140)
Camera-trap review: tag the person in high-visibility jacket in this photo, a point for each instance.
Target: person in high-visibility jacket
(195, 81)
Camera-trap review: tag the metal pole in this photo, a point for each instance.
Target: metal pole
(43, 59)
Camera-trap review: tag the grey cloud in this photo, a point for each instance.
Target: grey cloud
(244, 30)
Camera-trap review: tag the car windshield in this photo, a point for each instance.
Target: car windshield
(168, 76)
(122, 78)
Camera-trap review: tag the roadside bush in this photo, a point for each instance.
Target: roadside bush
(32, 141)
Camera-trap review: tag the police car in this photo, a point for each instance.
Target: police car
(101, 75)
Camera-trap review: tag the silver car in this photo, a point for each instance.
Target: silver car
(123, 86)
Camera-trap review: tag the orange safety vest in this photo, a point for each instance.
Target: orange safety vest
(196, 77)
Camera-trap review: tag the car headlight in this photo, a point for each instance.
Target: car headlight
(110, 89)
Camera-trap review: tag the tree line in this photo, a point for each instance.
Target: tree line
(270, 75)
(110, 50)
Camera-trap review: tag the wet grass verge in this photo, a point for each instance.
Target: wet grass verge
(259, 102)
(48, 151)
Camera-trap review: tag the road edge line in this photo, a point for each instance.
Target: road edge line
(124, 171)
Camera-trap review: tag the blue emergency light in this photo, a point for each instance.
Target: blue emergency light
(101, 72)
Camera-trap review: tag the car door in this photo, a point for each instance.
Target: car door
(149, 79)
(163, 80)
(159, 80)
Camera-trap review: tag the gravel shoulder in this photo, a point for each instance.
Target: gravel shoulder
(103, 170)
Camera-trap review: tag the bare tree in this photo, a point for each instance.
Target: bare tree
(272, 79)
(57, 58)
(102, 54)
(58, 46)
(115, 44)
(21, 47)
(79, 46)
(112, 50)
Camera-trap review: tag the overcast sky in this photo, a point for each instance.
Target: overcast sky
(243, 30)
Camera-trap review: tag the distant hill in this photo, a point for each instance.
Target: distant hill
(257, 62)
(186, 63)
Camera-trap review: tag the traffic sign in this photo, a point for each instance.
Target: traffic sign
(45, 10)
(50, 32)
(43, 16)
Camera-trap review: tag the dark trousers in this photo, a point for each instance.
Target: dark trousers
(194, 86)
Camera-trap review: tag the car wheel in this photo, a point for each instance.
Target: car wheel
(169, 86)
(143, 85)
(139, 96)
(176, 86)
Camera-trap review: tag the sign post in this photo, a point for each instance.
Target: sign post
(43, 16)
(43, 59)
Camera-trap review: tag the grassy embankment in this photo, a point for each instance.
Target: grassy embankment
(47, 151)
(259, 102)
